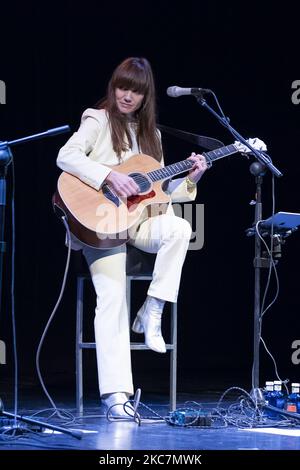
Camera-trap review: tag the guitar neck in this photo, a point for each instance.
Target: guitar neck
(174, 169)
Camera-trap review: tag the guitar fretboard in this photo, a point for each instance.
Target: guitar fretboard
(170, 170)
(185, 165)
(220, 153)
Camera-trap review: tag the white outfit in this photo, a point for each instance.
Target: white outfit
(166, 235)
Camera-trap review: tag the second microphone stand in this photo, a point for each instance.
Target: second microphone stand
(258, 169)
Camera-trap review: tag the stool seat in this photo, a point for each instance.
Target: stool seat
(138, 263)
(139, 267)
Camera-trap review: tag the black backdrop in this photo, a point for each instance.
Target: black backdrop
(56, 60)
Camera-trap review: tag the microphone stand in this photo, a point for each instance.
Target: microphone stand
(261, 156)
(6, 158)
(258, 169)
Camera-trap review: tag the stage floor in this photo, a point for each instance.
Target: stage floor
(152, 434)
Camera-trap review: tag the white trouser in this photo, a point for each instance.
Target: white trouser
(166, 235)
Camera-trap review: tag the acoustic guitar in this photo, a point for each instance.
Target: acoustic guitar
(102, 219)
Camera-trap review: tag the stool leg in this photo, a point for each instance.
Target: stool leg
(78, 353)
(173, 358)
(128, 296)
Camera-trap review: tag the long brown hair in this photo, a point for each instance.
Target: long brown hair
(135, 74)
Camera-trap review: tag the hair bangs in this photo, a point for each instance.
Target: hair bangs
(133, 78)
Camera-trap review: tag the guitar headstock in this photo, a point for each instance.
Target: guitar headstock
(256, 143)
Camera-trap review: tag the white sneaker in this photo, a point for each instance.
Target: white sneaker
(148, 321)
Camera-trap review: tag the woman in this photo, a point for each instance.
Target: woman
(123, 125)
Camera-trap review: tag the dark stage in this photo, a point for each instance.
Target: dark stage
(56, 59)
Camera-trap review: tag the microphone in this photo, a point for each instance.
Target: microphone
(58, 130)
(175, 91)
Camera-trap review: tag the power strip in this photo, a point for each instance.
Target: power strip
(190, 418)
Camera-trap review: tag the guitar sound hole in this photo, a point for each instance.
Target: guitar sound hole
(142, 181)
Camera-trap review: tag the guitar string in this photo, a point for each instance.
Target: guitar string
(161, 173)
(169, 171)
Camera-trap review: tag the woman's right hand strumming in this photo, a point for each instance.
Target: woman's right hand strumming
(123, 185)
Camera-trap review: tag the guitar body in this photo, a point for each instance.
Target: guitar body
(101, 219)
